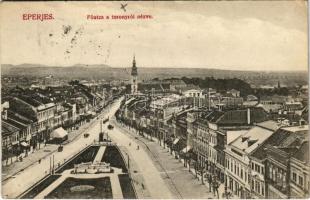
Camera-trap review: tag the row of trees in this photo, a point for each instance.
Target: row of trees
(221, 84)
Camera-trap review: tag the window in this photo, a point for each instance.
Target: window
(241, 174)
(252, 166)
(300, 181)
(263, 170)
(263, 190)
(238, 169)
(294, 177)
(270, 172)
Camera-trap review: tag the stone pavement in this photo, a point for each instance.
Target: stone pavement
(136, 177)
(99, 154)
(180, 181)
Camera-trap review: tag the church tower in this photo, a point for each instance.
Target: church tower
(134, 77)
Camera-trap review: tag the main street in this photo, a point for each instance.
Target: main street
(16, 185)
(153, 180)
(169, 180)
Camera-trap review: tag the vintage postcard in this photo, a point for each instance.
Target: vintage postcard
(154, 100)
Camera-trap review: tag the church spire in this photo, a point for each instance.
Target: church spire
(134, 70)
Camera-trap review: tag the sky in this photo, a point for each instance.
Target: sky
(237, 35)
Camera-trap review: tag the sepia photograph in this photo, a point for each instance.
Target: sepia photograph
(154, 100)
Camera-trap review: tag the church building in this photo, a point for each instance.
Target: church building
(134, 78)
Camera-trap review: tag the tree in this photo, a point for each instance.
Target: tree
(221, 84)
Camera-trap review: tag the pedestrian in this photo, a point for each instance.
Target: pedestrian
(215, 187)
(39, 161)
(129, 143)
(209, 181)
(142, 186)
(138, 147)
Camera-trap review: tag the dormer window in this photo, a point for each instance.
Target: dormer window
(244, 139)
(251, 142)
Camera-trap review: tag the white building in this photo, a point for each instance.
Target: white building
(237, 170)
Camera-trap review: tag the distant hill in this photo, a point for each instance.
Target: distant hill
(83, 71)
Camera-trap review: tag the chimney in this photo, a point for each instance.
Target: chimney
(249, 116)
(5, 114)
(301, 123)
(4, 110)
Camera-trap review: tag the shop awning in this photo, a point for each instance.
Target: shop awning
(59, 133)
(176, 141)
(24, 144)
(186, 149)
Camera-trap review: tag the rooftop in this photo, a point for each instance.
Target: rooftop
(166, 100)
(250, 140)
(283, 137)
(302, 153)
(234, 134)
(270, 124)
(7, 128)
(297, 128)
(240, 117)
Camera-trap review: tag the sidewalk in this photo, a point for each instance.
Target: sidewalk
(136, 177)
(154, 146)
(11, 170)
(178, 178)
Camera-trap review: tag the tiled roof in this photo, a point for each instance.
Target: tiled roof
(281, 138)
(31, 101)
(18, 117)
(302, 153)
(15, 123)
(239, 117)
(8, 129)
(213, 116)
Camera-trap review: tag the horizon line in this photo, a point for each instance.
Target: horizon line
(167, 67)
